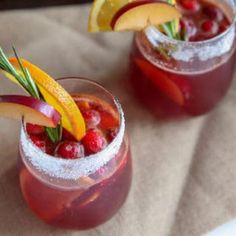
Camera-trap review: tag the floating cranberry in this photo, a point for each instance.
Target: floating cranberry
(93, 141)
(34, 129)
(92, 118)
(188, 28)
(40, 142)
(223, 27)
(50, 146)
(213, 13)
(210, 27)
(83, 105)
(108, 120)
(190, 5)
(112, 133)
(69, 150)
(66, 135)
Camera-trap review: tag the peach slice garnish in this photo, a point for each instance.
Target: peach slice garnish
(127, 7)
(138, 15)
(33, 110)
(55, 95)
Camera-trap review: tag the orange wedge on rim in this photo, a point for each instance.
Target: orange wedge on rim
(55, 95)
(102, 12)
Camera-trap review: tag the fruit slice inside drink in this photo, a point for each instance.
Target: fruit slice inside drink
(169, 87)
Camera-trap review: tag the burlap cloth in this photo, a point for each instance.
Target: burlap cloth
(184, 181)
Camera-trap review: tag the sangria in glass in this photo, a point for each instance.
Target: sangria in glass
(190, 76)
(72, 184)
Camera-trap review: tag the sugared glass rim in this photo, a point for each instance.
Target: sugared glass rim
(189, 51)
(195, 43)
(72, 169)
(187, 43)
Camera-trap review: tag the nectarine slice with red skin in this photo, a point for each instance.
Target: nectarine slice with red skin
(127, 7)
(33, 110)
(138, 15)
(55, 95)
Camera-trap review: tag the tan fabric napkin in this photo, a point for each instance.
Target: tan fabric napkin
(184, 181)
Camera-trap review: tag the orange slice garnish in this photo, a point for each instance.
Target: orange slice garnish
(55, 95)
(102, 12)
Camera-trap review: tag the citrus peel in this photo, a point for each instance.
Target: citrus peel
(55, 95)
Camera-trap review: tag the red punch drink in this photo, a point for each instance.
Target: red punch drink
(73, 184)
(173, 77)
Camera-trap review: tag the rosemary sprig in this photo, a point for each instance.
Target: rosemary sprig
(25, 80)
(34, 91)
(171, 28)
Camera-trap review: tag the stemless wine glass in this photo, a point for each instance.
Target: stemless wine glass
(175, 78)
(80, 193)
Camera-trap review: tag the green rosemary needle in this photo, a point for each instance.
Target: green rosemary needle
(25, 80)
(171, 28)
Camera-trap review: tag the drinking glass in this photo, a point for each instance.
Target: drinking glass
(79, 193)
(178, 78)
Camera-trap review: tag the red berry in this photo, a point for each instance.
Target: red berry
(39, 142)
(66, 135)
(223, 27)
(44, 143)
(111, 133)
(34, 129)
(190, 5)
(82, 103)
(108, 119)
(69, 150)
(210, 27)
(93, 141)
(92, 118)
(213, 13)
(50, 146)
